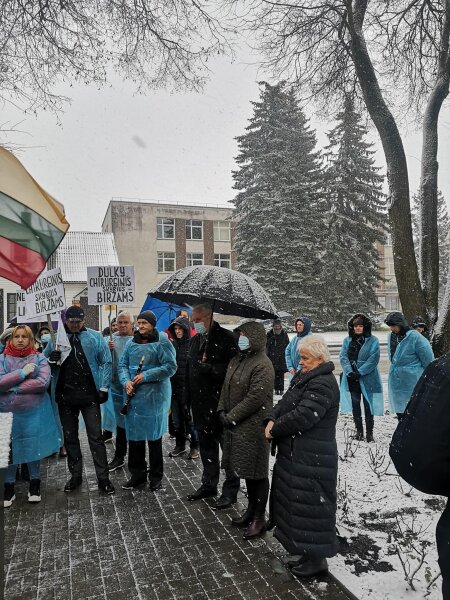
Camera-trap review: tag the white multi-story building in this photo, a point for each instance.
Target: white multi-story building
(159, 238)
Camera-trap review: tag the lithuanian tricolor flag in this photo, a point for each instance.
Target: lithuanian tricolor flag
(32, 223)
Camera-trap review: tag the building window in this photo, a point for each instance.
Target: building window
(392, 303)
(222, 260)
(165, 228)
(11, 306)
(193, 259)
(194, 230)
(166, 262)
(388, 241)
(222, 231)
(389, 265)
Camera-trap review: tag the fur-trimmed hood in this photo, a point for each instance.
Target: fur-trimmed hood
(367, 324)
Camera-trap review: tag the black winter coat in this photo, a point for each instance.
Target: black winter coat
(303, 501)
(275, 348)
(247, 396)
(181, 348)
(420, 446)
(204, 380)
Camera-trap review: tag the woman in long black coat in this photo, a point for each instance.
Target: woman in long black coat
(303, 427)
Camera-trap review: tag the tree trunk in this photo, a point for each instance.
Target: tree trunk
(428, 238)
(406, 271)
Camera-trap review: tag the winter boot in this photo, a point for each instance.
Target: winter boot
(256, 528)
(369, 436)
(245, 519)
(359, 435)
(34, 494)
(369, 428)
(311, 567)
(9, 495)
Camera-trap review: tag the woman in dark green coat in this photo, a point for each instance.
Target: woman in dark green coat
(247, 396)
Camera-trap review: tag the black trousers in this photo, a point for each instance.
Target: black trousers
(356, 395)
(278, 385)
(258, 493)
(443, 547)
(210, 442)
(137, 464)
(121, 443)
(69, 416)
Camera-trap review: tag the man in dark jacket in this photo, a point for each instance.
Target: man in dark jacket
(277, 342)
(420, 449)
(80, 385)
(210, 351)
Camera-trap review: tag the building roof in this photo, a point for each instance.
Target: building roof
(82, 249)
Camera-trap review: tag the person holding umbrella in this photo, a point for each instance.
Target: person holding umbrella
(209, 353)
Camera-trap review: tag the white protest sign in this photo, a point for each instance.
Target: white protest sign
(111, 285)
(46, 295)
(20, 308)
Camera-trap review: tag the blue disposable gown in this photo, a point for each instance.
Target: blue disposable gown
(35, 430)
(149, 408)
(412, 355)
(111, 417)
(370, 381)
(97, 354)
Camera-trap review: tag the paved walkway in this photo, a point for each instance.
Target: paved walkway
(140, 545)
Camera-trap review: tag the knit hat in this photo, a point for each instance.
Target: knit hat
(149, 316)
(74, 313)
(6, 334)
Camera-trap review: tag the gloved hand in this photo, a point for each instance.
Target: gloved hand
(205, 368)
(29, 368)
(354, 376)
(102, 396)
(54, 357)
(224, 420)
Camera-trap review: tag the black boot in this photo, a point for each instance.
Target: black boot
(137, 479)
(256, 528)
(359, 435)
(245, 519)
(369, 428)
(369, 436)
(311, 567)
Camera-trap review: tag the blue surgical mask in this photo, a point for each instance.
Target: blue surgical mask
(45, 338)
(200, 328)
(243, 342)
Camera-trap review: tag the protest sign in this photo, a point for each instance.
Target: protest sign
(20, 308)
(45, 296)
(110, 285)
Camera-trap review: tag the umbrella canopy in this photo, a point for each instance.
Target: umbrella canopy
(229, 292)
(165, 312)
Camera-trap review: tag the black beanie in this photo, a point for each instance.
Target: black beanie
(149, 316)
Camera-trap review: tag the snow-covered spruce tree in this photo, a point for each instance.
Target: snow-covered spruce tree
(354, 221)
(276, 208)
(443, 226)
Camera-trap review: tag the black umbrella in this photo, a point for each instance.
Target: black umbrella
(227, 291)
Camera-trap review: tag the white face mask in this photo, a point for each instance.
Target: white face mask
(200, 328)
(243, 342)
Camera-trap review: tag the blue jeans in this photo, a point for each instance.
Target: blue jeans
(34, 469)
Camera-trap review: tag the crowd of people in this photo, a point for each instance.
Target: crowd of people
(217, 387)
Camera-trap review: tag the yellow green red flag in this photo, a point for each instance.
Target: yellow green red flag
(32, 223)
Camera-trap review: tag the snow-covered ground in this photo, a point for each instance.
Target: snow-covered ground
(383, 522)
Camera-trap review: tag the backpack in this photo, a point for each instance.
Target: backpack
(420, 446)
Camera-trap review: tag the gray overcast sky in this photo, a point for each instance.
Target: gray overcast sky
(177, 147)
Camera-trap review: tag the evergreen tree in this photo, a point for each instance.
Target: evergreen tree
(443, 224)
(276, 208)
(354, 221)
